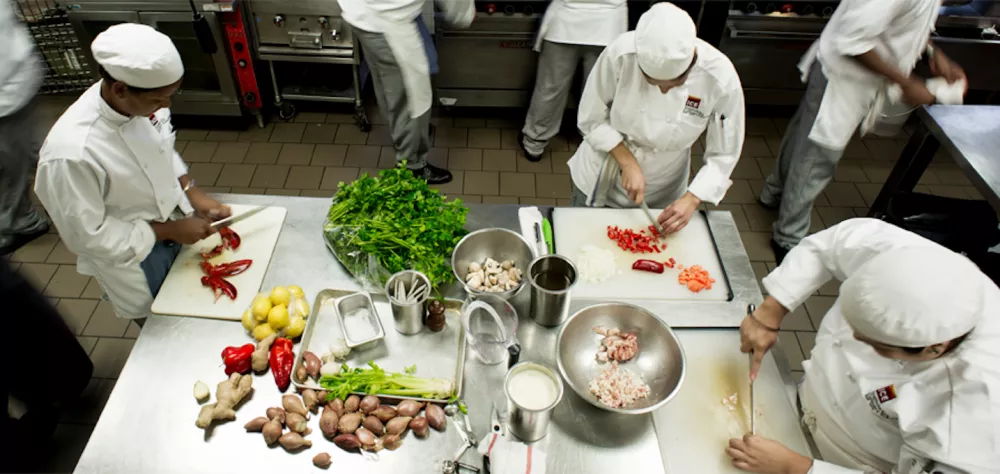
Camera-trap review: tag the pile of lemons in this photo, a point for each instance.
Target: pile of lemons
(283, 310)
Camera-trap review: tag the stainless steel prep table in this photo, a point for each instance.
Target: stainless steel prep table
(148, 423)
(970, 133)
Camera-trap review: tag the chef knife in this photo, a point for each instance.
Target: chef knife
(237, 218)
(649, 215)
(753, 410)
(547, 234)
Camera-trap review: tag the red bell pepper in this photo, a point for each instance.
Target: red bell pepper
(281, 359)
(216, 251)
(220, 286)
(230, 239)
(237, 359)
(648, 266)
(226, 269)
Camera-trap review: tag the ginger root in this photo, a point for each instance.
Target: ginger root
(258, 360)
(228, 394)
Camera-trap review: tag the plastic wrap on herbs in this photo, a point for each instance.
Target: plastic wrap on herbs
(381, 225)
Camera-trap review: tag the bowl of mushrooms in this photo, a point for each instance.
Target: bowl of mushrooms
(492, 261)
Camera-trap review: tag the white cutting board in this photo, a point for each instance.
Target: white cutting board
(573, 228)
(694, 428)
(182, 293)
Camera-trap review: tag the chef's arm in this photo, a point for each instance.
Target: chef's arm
(459, 13)
(723, 146)
(857, 32)
(594, 115)
(72, 195)
(836, 252)
(874, 63)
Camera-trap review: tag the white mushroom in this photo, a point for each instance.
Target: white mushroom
(515, 274)
(475, 267)
(492, 279)
(507, 264)
(510, 285)
(475, 280)
(503, 278)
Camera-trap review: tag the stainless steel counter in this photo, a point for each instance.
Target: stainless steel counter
(148, 423)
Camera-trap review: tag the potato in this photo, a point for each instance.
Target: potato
(352, 403)
(366, 437)
(408, 408)
(347, 442)
(349, 423)
(328, 422)
(368, 404)
(374, 425)
(397, 426)
(256, 424)
(419, 427)
(322, 460)
(391, 442)
(435, 417)
(384, 413)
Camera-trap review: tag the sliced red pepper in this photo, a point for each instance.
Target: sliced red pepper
(226, 269)
(220, 286)
(213, 253)
(230, 239)
(648, 266)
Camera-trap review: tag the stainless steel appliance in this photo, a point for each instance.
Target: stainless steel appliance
(313, 45)
(208, 87)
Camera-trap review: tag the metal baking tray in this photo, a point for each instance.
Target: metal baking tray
(436, 354)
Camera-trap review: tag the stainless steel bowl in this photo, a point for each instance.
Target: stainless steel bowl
(660, 360)
(498, 244)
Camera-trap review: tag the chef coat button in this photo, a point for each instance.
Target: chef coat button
(851, 377)
(837, 343)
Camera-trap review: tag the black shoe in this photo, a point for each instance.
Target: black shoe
(529, 156)
(20, 240)
(779, 251)
(770, 207)
(432, 174)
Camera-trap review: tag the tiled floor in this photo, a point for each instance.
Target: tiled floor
(315, 152)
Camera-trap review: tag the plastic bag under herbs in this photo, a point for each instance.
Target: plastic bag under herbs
(364, 267)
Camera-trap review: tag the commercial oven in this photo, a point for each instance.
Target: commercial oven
(209, 87)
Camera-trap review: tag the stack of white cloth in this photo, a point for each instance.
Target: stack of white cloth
(509, 456)
(946, 94)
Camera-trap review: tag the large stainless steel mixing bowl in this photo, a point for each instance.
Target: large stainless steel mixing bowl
(660, 360)
(498, 244)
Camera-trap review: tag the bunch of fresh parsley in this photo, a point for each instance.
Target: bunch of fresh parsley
(400, 221)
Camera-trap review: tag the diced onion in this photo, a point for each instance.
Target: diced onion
(596, 264)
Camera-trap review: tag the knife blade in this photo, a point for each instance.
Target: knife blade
(753, 410)
(236, 218)
(649, 215)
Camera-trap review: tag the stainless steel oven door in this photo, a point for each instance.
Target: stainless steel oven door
(88, 24)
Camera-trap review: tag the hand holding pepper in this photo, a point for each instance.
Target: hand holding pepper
(237, 359)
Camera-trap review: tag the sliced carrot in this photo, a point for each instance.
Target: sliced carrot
(695, 278)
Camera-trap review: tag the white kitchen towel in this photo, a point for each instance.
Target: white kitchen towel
(528, 218)
(508, 456)
(946, 94)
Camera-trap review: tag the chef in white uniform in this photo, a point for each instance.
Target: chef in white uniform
(109, 176)
(653, 92)
(905, 374)
(394, 42)
(573, 32)
(866, 48)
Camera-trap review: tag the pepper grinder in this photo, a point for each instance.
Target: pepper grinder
(435, 316)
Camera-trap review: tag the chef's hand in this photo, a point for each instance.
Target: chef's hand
(915, 92)
(943, 66)
(677, 215)
(759, 331)
(758, 454)
(184, 231)
(207, 207)
(634, 182)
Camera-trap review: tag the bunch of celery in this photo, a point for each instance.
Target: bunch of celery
(375, 381)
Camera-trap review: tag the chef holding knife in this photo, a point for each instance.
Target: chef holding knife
(652, 93)
(903, 378)
(110, 179)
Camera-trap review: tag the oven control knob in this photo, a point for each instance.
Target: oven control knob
(335, 35)
(323, 21)
(491, 8)
(508, 10)
(528, 10)
(279, 20)
(316, 41)
(827, 11)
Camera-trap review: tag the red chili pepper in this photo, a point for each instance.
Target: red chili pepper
(226, 269)
(230, 239)
(648, 266)
(220, 286)
(237, 359)
(213, 253)
(281, 359)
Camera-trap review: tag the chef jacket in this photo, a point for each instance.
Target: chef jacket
(618, 104)
(940, 416)
(103, 178)
(898, 30)
(20, 68)
(585, 22)
(395, 19)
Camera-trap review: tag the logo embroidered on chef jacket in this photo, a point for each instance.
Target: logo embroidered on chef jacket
(692, 105)
(693, 102)
(877, 398)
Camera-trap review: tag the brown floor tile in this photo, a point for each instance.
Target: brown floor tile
(333, 176)
(310, 117)
(465, 159)
(288, 132)
(329, 155)
(454, 187)
(781, 124)
(843, 194)
(756, 147)
(133, 330)
(541, 166)
(499, 160)
(816, 223)
(952, 177)
(438, 157)
(339, 118)
(76, 312)
(348, 135)
(560, 161)
(505, 123)
(759, 219)
(559, 143)
(884, 150)
(236, 175)
(61, 255)
(387, 158)
(466, 199)
(928, 177)
(66, 283)
(484, 138)
(807, 340)
(269, 176)
(222, 136)
(508, 139)
(242, 190)
(295, 154)
(856, 150)
(37, 250)
(263, 154)
(790, 346)
(110, 355)
(758, 246)
(869, 191)
(948, 191)
(740, 193)
(553, 186)
(319, 133)
(199, 152)
(255, 134)
(87, 343)
(877, 172)
(179, 145)
(230, 152)
(765, 166)
(104, 322)
(760, 271)
(373, 172)
(562, 202)
(773, 144)
(747, 169)
(215, 189)
(850, 173)
(469, 123)
(281, 192)
(482, 183)
(304, 177)
(536, 201)
(818, 307)
(834, 215)
(93, 290)
(451, 138)
(797, 320)
(190, 134)
(380, 136)
(500, 200)
(205, 173)
(517, 184)
(317, 193)
(363, 156)
(760, 126)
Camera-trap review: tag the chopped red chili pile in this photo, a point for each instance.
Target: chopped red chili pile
(643, 241)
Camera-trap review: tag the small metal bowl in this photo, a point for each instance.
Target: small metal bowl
(349, 304)
(660, 360)
(498, 244)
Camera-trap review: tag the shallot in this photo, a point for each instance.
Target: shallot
(391, 442)
(397, 426)
(366, 437)
(295, 422)
(349, 423)
(408, 408)
(384, 413)
(347, 442)
(368, 404)
(292, 441)
(322, 460)
(256, 424)
(272, 431)
(374, 425)
(435, 416)
(275, 412)
(352, 403)
(293, 404)
(419, 427)
(328, 422)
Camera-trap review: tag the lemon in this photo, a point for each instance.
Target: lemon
(301, 308)
(248, 321)
(262, 331)
(280, 295)
(295, 327)
(260, 308)
(278, 317)
(296, 291)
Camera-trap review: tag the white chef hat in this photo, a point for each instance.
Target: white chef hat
(138, 55)
(665, 41)
(914, 297)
